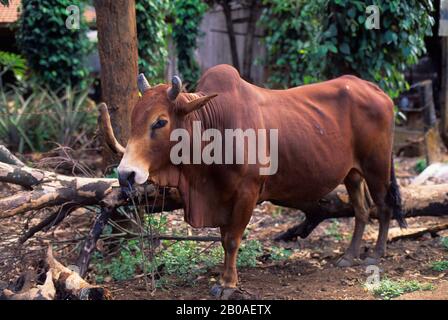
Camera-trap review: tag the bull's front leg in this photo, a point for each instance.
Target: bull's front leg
(231, 236)
(231, 240)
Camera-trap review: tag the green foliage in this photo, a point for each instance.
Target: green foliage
(389, 289)
(440, 265)
(279, 253)
(71, 115)
(188, 15)
(4, 2)
(420, 165)
(35, 121)
(179, 259)
(315, 40)
(54, 52)
(444, 242)
(249, 252)
(291, 28)
(19, 127)
(333, 230)
(12, 62)
(151, 33)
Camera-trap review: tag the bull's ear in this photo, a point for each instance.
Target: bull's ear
(196, 103)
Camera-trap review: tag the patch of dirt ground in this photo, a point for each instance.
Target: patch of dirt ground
(308, 273)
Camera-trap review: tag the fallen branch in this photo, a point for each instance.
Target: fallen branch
(423, 200)
(60, 283)
(49, 189)
(90, 243)
(47, 291)
(415, 235)
(7, 157)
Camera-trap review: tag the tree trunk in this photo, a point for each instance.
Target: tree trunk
(117, 46)
(444, 91)
(249, 43)
(231, 32)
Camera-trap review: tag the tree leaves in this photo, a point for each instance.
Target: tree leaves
(151, 32)
(188, 16)
(54, 53)
(336, 41)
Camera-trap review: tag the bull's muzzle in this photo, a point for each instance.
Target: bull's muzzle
(126, 178)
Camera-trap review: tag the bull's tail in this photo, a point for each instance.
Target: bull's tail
(393, 198)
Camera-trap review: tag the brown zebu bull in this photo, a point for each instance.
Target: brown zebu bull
(338, 131)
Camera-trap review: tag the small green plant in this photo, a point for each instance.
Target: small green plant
(278, 253)
(333, 230)
(389, 289)
(12, 62)
(179, 259)
(248, 253)
(444, 242)
(440, 265)
(421, 165)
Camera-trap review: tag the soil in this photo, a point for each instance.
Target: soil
(308, 273)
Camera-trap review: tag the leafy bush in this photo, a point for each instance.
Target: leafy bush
(151, 33)
(54, 52)
(20, 127)
(389, 289)
(315, 40)
(291, 28)
(12, 62)
(34, 121)
(188, 15)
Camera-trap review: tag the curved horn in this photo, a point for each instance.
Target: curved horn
(176, 87)
(142, 83)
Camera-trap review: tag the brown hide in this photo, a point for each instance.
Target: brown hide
(325, 130)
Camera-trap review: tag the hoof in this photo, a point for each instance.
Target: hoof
(369, 261)
(219, 292)
(216, 291)
(344, 262)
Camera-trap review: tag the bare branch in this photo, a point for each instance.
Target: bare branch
(7, 157)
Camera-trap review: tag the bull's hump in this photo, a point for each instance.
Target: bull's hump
(219, 78)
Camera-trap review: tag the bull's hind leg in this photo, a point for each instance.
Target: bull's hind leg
(355, 188)
(378, 186)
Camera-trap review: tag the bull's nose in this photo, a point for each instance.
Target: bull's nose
(126, 178)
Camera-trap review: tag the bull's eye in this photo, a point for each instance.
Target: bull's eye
(160, 123)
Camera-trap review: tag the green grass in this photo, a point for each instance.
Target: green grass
(389, 289)
(440, 265)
